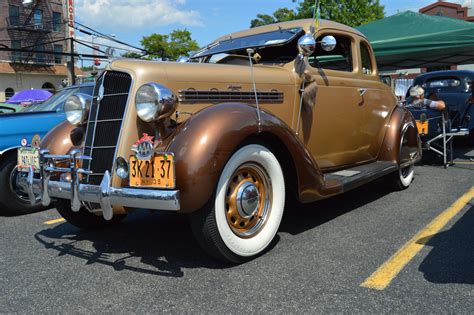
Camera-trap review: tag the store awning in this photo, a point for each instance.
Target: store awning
(413, 40)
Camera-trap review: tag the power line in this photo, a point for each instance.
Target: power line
(103, 35)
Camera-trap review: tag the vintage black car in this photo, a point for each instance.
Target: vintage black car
(455, 88)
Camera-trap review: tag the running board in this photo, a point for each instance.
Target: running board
(350, 178)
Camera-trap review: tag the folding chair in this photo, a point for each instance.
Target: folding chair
(436, 133)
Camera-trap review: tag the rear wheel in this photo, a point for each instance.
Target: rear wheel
(13, 199)
(84, 219)
(404, 177)
(243, 218)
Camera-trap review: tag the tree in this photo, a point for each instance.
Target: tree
(156, 45)
(132, 54)
(177, 43)
(181, 44)
(349, 12)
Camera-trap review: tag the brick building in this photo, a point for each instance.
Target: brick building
(32, 25)
(452, 10)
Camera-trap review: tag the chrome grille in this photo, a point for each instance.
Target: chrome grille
(105, 121)
(193, 96)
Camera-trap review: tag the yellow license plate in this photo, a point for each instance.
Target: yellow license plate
(422, 127)
(158, 172)
(28, 156)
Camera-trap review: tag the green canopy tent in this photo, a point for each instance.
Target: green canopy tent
(412, 40)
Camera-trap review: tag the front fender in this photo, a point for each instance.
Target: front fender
(58, 140)
(401, 123)
(204, 143)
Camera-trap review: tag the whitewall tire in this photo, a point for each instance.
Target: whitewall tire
(245, 215)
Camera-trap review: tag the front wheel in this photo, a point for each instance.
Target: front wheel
(243, 218)
(14, 199)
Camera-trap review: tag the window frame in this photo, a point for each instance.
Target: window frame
(57, 21)
(10, 7)
(57, 56)
(36, 22)
(335, 33)
(16, 55)
(371, 57)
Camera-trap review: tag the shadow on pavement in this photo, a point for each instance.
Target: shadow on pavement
(162, 243)
(451, 259)
(302, 217)
(462, 152)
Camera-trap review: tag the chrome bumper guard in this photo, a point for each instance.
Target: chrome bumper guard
(104, 194)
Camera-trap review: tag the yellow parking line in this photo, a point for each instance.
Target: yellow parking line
(54, 221)
(382, 277)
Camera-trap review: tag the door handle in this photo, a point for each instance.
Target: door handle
(362, 91)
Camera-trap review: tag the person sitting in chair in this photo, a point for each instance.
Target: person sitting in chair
(417, 99)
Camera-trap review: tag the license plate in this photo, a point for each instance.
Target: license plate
(28, 156)
(422, 127)
(158, 172)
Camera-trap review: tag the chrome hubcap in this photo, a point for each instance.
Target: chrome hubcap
(248, 199)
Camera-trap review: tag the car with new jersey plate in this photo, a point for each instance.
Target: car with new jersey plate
(227, 137)
(27, 125)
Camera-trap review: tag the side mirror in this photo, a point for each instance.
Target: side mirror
(307, 45)
(182, 59)
(328, 43)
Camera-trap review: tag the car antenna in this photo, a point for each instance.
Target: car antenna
(250, 52)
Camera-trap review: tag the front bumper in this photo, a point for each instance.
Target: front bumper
(44, 190)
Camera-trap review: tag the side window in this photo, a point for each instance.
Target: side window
(339, 59)
(366, 59)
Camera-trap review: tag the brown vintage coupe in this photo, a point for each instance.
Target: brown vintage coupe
(229, 134)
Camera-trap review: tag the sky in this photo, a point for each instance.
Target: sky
(130, 20)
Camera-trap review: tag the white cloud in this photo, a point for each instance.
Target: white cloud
(135, 14)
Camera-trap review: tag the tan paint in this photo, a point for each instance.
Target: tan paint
(341, 130)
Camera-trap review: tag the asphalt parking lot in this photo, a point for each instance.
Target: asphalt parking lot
(325, 258)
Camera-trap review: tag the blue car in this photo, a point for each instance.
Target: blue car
(455, 88)
(36, 120)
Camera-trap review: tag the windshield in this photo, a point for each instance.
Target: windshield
(274, 38)
(54, 102)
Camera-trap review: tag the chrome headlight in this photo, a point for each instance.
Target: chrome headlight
(154, 101)
(77, 107)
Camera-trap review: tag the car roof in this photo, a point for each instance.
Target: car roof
(305, 24)
(445, 73)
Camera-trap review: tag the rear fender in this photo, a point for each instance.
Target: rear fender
(393, 150)
(204, 143)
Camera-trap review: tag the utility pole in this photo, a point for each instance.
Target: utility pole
(71, 62)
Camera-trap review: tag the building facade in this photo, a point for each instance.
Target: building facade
(33, 27)
(452, 10)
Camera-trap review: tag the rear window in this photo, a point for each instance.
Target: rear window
(443, 83)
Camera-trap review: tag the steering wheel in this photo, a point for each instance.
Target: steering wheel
(7, 108)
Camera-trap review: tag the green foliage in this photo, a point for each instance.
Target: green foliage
(177, 43)
(132, 54)
(181, 44)
(348, 12)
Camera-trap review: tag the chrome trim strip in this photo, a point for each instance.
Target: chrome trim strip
(125, 113)
(107, 120)
(117, 94)
(196, 96)
(104, 147)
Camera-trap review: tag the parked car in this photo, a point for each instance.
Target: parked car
(15, 126)
(10, 108)
(455, 88)
(224, 137)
